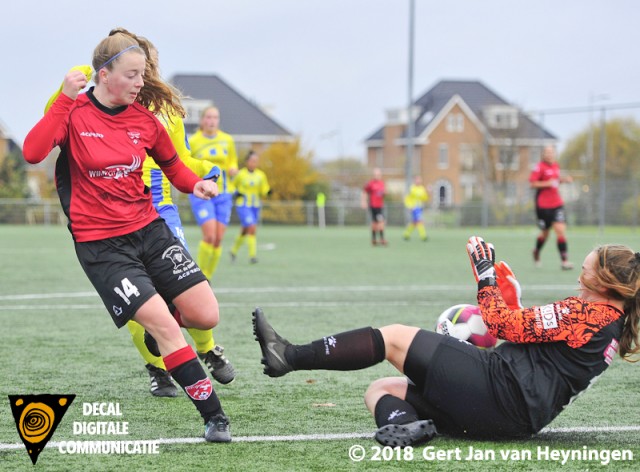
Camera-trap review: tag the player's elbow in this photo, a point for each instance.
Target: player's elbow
(33, 153)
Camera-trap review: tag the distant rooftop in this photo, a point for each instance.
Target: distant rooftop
(238, 115)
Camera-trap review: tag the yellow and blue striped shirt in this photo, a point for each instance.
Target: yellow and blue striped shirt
(220, 151)
(251, 186)
(152, 175)
(416, 197)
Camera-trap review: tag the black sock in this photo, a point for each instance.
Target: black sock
(562, 249)
(351, 350)
(185, 368)
(373, 235)
(539, 243)
(381, 235)
(392, 410)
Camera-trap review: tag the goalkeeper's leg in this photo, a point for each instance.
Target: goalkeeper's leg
(350, 350)
(397, 419)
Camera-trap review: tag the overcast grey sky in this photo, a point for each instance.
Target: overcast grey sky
(329, 69)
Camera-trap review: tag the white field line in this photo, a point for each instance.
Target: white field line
(339, 436)
(325, 289)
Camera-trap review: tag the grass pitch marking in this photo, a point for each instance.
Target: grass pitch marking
(344, 436)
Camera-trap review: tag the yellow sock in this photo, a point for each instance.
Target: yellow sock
(137, 336)
(408, 230)
(251, 243)
(238, 244)
(205, 258)
(203, 339)
(217, 253)
(422, 231)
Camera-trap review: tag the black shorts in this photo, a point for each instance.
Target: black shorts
(548, 216)
(376, 214)
(451, 383)
(128, 270)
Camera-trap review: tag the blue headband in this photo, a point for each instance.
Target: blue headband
(116, 56)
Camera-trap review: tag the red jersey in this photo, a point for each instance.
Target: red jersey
(99, 170)
(375, 190)
(548, 197)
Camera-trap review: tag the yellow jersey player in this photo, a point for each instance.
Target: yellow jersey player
(251, 186)
(211, 144)
(414, 202)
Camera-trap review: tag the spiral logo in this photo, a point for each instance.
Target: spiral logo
(36, 422)
(37, 417)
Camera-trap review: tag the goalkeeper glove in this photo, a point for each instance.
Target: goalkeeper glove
(213, 174)
(508, 285)
(482, 257)
(86, 70)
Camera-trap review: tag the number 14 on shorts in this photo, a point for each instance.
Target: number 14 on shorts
(127, 290)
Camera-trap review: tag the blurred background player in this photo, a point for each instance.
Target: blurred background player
(414, 202)
(214, 145)
(545, 179)
(373, 198)
(251, 186)
(550, 354)
(127, 251)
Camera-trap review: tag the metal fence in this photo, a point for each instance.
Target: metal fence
(622, 208)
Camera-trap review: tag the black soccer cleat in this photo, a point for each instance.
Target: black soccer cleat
(272, 346)
(219, 366)
(152, 344)
(161, 382)
(410, 434)
(217, 429)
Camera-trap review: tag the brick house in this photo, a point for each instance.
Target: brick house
(468, 140)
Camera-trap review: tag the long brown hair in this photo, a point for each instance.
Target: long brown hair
(618, 274)
(156, 95)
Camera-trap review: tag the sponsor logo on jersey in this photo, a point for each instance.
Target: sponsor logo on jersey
(134, 136)
(91, 134)
(117, 171)
(201, 390)
(548, 317)
(610, 351)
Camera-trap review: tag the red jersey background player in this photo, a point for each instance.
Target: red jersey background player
(373, 197)
(546, 179)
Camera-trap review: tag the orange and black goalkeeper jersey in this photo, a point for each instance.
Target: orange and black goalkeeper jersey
(552, 354)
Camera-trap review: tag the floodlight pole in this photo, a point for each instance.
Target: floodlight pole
(411, 126)
(603, 170)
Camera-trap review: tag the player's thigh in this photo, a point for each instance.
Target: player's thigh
(397, 340)
(118, 275)
(246, 216)
(168, 263)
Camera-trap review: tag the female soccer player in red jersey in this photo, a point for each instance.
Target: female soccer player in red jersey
(373, 197)
(127, 251)
(546, 179)
(551, 354)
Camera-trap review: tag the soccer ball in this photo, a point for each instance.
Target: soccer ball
(465, 322)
